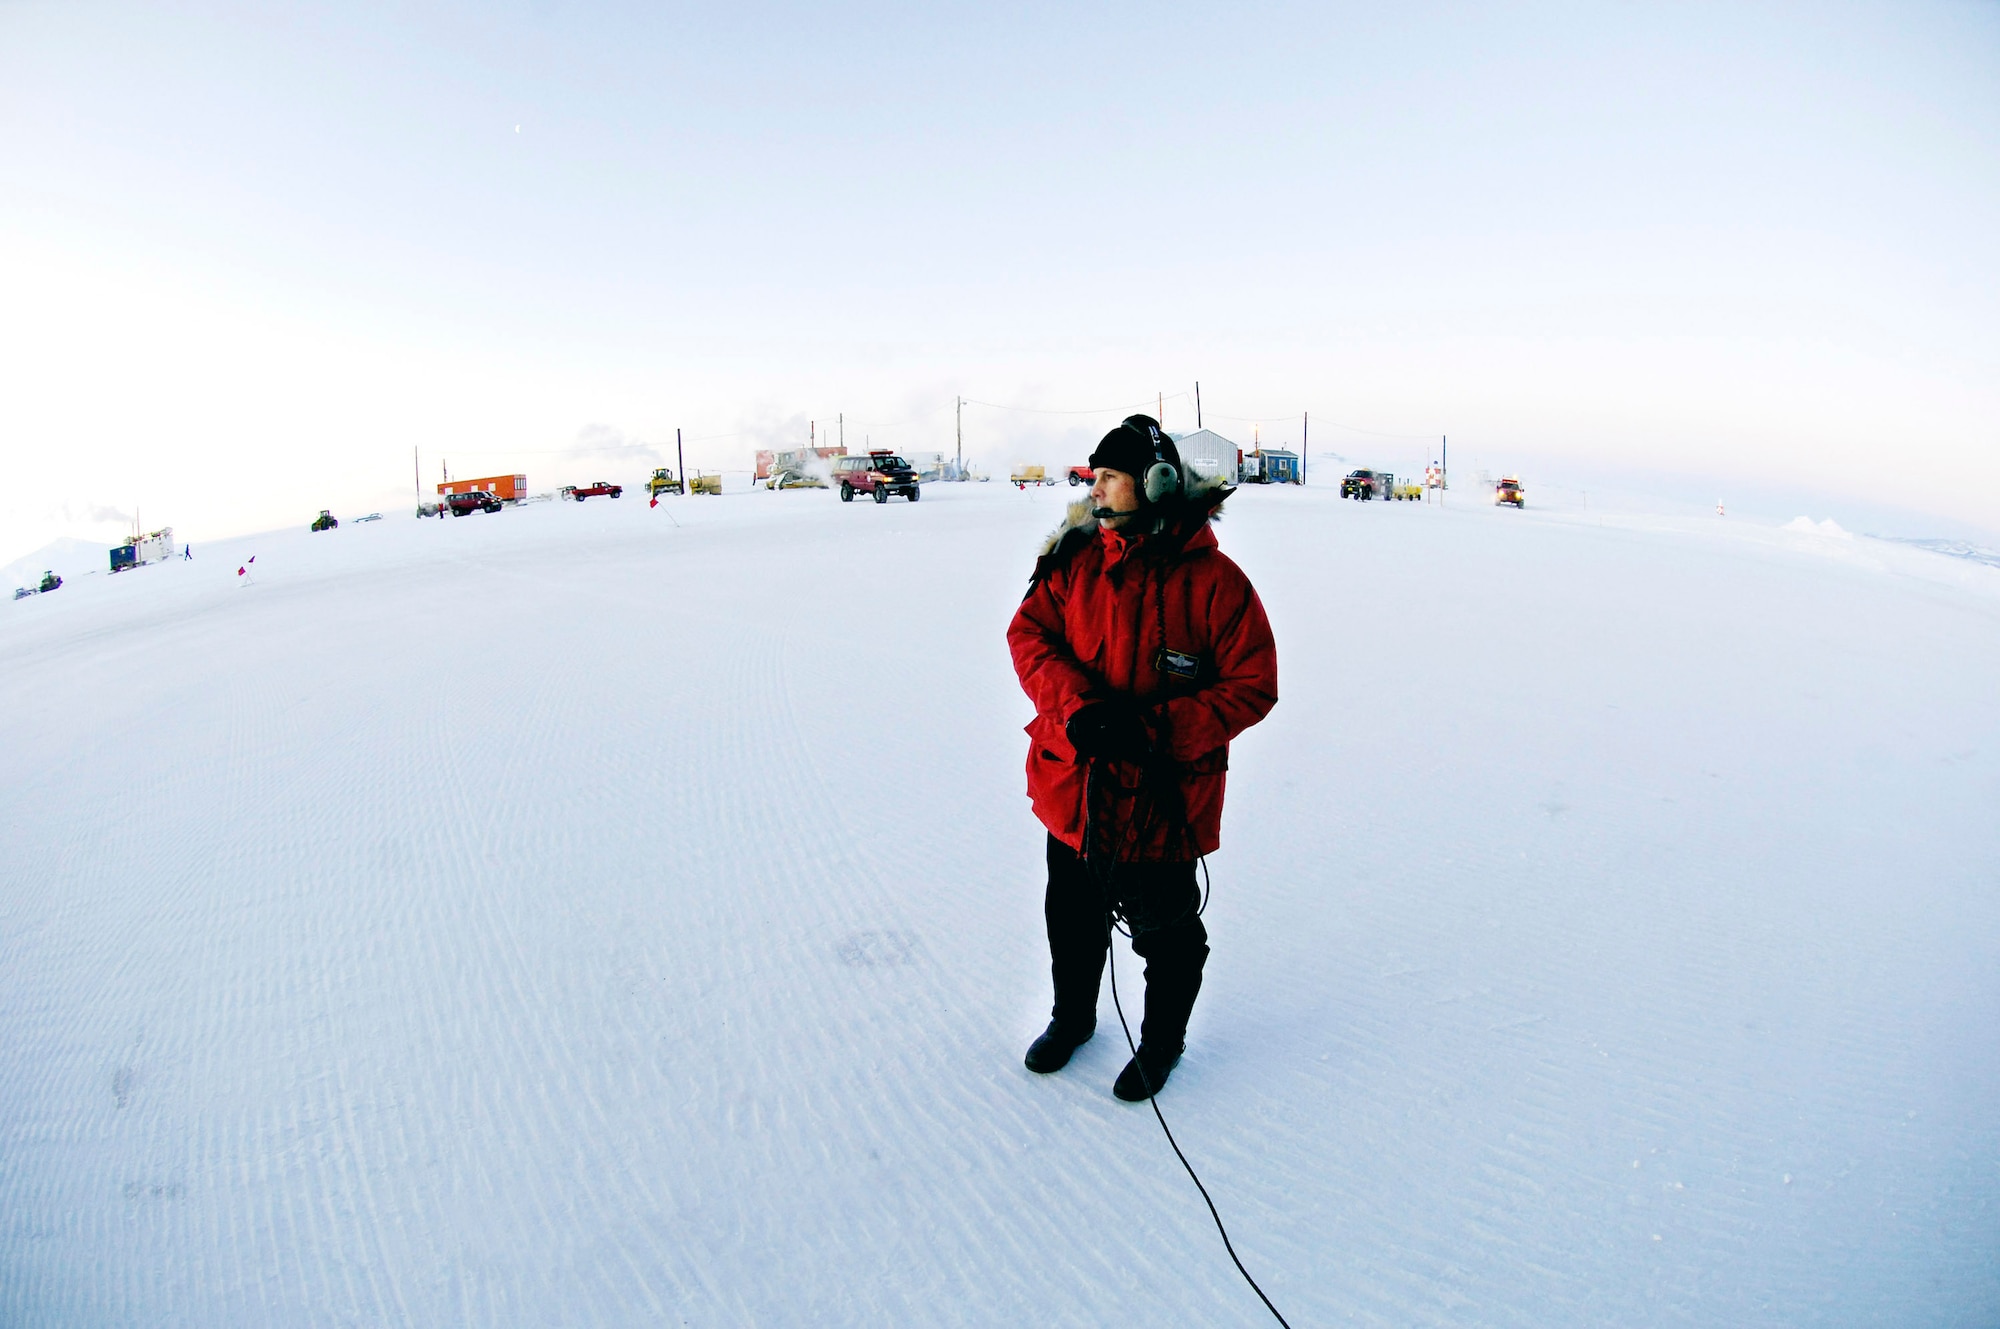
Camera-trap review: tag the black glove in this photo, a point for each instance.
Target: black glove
(1109, 729)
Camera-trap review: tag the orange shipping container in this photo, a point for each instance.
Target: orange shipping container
(508, 487)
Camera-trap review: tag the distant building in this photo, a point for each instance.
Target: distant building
(507, 488)
(1272, 466)
(140, 550)
(1209, 454)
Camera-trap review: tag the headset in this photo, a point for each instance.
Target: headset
(1162, 479)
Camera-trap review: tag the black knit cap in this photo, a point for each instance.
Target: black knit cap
(1134, 446)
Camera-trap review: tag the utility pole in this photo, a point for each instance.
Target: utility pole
(417, 474)
(1305, 442)
(1160, 409)
(1197, 405)
(681, 458)
(961, 436)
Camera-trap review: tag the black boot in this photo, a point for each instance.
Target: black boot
(1074, 910)
(1174, 956)
(1146, 1074)
(1052, 1051)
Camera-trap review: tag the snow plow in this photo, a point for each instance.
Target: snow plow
(663, 482)
(701, 482)
(799, 468)
(786, 479)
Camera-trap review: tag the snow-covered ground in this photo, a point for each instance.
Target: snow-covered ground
(572, 917)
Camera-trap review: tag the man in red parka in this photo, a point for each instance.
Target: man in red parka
(1145, 650)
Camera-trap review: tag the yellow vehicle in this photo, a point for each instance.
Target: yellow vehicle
(1024, 476)
(1409, 491)
(703, 483)
(663, 482)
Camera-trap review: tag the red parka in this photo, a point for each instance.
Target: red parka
(1164, 619)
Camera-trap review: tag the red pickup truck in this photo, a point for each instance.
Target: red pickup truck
(595, 489)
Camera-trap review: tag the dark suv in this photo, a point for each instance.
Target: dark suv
(478, 500)
(878, 473)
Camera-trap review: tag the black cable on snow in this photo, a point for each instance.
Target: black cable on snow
(1105, 881)
(1153, 1101)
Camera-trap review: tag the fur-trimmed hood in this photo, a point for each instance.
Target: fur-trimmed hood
(1201, 505)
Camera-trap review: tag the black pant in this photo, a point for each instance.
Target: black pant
(1158, 902)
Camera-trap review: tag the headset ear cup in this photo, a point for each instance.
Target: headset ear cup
(1162, 480)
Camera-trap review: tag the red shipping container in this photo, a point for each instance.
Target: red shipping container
(507, 487)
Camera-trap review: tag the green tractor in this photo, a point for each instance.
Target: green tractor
(326, 521)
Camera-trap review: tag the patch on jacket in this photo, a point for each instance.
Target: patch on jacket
(1180, 664)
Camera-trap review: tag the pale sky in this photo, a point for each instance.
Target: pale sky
(251, 256)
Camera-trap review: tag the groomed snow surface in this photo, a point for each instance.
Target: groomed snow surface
(602, 915)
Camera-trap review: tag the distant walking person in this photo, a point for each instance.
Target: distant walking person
(1145, 651)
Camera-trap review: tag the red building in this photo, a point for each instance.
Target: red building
(508, 487)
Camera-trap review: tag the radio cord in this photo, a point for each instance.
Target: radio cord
(1153, 1098)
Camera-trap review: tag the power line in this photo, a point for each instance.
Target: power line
(584, 450)
(1284, 416)
(1377, 433)
(1044, 410)
(1255, 419)
(898, 424)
